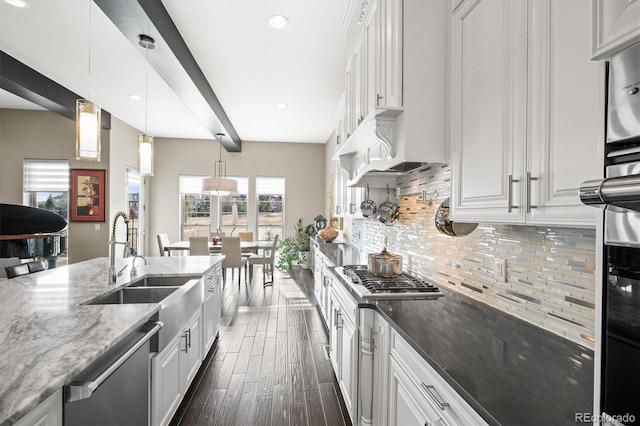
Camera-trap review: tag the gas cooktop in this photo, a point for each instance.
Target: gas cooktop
(403, 286)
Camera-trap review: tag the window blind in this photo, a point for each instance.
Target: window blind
(46, 175)
(190, 184)
(269, 185)
(134, 178)
(243, 184)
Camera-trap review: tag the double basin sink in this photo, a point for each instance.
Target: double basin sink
(179, 298)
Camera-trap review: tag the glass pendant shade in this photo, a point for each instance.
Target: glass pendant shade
(145, 154)
(87, 130)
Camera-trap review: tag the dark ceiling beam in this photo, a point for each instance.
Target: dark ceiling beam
(172, 60)
(27, 83)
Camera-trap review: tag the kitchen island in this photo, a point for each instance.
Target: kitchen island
(49, 334)
(508, 370)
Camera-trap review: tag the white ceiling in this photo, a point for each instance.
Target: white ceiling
(249, 65)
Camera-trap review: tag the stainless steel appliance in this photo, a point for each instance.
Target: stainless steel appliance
(403, 286)
(114, 390)
(619, 195)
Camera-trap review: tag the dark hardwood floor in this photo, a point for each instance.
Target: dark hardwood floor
(268, 365)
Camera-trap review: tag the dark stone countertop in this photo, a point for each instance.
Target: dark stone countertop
(512, 372)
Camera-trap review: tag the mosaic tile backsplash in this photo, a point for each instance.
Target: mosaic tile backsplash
(550, 271)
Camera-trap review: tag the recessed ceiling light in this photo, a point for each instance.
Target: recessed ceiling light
(278, 21)
(281, 105)
(135, 97)
(18, 3)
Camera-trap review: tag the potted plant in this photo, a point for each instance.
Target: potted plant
(295, 250)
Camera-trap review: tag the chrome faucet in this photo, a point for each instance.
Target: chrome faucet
(134, 270)
(113, 276)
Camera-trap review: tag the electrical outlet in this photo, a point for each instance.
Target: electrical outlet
(500, 270)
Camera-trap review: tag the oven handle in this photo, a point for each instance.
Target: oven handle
(621, 191)
(76, 391)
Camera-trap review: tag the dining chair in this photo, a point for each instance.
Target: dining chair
(163, 241)
(247, 236)
(198, 246)
(266, 260)
(233, 258)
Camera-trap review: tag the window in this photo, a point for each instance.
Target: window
(233, 208)
(195, 208)
(270, 198)
(135, 203)
(46, 185)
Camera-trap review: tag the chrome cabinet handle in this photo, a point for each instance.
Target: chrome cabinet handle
(510, 205)
(431, 390)
(338, 319)
(529, 179)
(378, 99)
(75, 391)
(189, 337)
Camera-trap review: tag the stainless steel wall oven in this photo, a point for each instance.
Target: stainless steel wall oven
(619, 195)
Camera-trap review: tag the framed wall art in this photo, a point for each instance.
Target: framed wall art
(87, 195)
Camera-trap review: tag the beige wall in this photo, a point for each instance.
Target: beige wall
(301, 164)
(42, 134)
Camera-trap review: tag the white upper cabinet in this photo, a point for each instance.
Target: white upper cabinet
(527, 112)
(395, 100)
(488, 57)
(615, 25)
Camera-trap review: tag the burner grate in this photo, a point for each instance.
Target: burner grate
(359, 274)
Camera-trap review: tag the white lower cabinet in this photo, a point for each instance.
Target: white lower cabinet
(418, 395)
(344, 346)
(47, 413)
(211, 308)
(407, 404)
(173, 370)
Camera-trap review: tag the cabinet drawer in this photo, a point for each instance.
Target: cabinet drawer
(452, 407)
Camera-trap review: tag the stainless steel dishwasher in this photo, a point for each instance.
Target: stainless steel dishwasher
(114, 390)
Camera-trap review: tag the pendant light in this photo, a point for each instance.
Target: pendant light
(219, 184)
(88, 120)
(145, 142)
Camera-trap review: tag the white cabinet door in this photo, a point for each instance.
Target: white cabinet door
(406, 404)
(488, 130)
(528, 115)
(167, 389)
(373, 60)
(192, 350)
(380, 370)
(209, 320)
(347, 363)
(615, 24)
(335, 333)
(566, 113)
(390, 47)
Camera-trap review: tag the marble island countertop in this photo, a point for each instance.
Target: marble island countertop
(48, 335)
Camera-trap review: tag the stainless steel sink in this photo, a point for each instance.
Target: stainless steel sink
(179, 298)
(134, 295)
(161, 281)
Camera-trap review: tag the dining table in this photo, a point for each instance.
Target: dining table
(216, 248)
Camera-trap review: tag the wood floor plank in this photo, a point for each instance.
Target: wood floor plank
(315, 413)
(265, 387)
(296, 384)
(323, 366)
(258, 343)
(280, 364)
(223, 370)
(272, 327)
(211, 406)
(280, 405)
(262, 415)
(229, 407)
(293, 345)
(298, 415)
(330, 405)
(244, 354)
(253, 369)
(309, 375)
(238, 337)
(247, 406)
